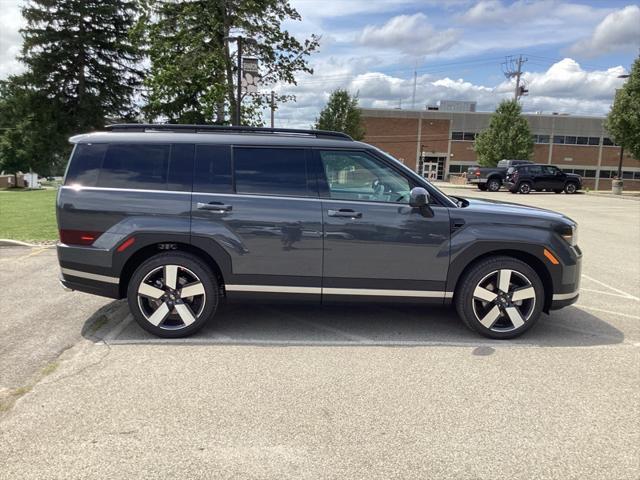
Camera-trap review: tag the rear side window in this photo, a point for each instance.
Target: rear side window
(271, 171)
(85, 164)
(135, 166)
(213, 169)
(138, 166)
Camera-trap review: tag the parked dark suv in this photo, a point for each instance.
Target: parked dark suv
(540, 177)
(177, 218)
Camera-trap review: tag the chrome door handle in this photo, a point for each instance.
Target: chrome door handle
(345, 213)
(214, 207)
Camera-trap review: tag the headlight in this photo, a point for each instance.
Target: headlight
(570, 234)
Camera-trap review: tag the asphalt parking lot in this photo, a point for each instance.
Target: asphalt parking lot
(341, 392)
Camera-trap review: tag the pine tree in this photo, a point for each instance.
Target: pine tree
(508, 136)
(342, 114)
(192, 78)
(80, 73)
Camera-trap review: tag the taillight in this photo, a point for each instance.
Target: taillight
(78, 237)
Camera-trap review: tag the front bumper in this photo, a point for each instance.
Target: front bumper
(567, 288)
(509, 185)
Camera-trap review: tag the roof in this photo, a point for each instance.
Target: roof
(170, 133)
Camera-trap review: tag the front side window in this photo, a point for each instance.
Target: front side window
(534, 170)
(271, 171)
(359, 176)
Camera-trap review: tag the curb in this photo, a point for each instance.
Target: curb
(6, 242)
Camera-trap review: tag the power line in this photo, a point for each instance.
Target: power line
(511, 68)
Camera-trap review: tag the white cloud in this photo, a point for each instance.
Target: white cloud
(10, 41)
(409, 34)
(620, 30)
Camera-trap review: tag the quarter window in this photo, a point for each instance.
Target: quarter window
(271, 171)
(135, 166)
(359, 176)
(85, 164)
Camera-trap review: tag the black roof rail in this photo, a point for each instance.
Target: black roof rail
(177, 127)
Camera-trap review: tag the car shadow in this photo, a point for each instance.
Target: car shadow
(357, 325)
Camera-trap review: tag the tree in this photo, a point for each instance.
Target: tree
(342, 115)
(80, 71)
(193, 60)
(623, 121)
(508, 136)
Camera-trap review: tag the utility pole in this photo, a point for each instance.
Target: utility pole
(511, 68)
(237, 115)
(273, 108)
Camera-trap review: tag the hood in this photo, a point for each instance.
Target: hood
(511, 211)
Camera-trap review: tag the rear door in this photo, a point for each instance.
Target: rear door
(258, 207)
(376, 245)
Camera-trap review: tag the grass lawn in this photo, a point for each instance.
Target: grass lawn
(28, 215)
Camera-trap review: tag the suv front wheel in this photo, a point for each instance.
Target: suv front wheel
(500, 297)
(173, 294)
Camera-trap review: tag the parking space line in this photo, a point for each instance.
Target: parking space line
(605, 293)
(31, 254)
(636, 317)
(628, 295)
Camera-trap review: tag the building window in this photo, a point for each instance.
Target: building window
(570, 140)
(558, 139)
(583, 140)
(627, 175)
(469, 136)
(607, 141)
(636, 175)
(590, 173)
(594, 140)
(457, 136)
(543, 138)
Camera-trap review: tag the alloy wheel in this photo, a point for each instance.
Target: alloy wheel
(504, 300)
(494, 186)
(525, 188)
(171, 297)
(570, 188)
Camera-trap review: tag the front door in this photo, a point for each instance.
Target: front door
(269, 227)
(375, 244)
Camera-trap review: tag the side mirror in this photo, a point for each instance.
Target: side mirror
(419, 197)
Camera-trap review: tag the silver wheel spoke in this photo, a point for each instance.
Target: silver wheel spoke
(490, 318)
(170, 275)
(483, 294)
(515, 317)
(185, 314)
(504, 279)
(159, 315)
(192, 290)
(147, 290)
(523, 293)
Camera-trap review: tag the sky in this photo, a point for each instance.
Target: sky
(574, 50)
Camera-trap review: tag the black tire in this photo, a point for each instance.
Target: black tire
(182, 316)
(482, 186)
(494, 184)
(570, 188)
(486, 273)
(524, 188)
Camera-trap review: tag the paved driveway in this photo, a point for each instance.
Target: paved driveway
(340, 392)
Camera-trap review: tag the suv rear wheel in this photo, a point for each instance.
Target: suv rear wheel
(500, 297)
(524, 187)
(173, 294)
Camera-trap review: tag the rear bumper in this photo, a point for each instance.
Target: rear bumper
(476, 180)
(87, 270)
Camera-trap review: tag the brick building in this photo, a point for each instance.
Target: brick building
(443, 141)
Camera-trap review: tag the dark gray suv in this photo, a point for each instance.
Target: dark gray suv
(178, 218)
